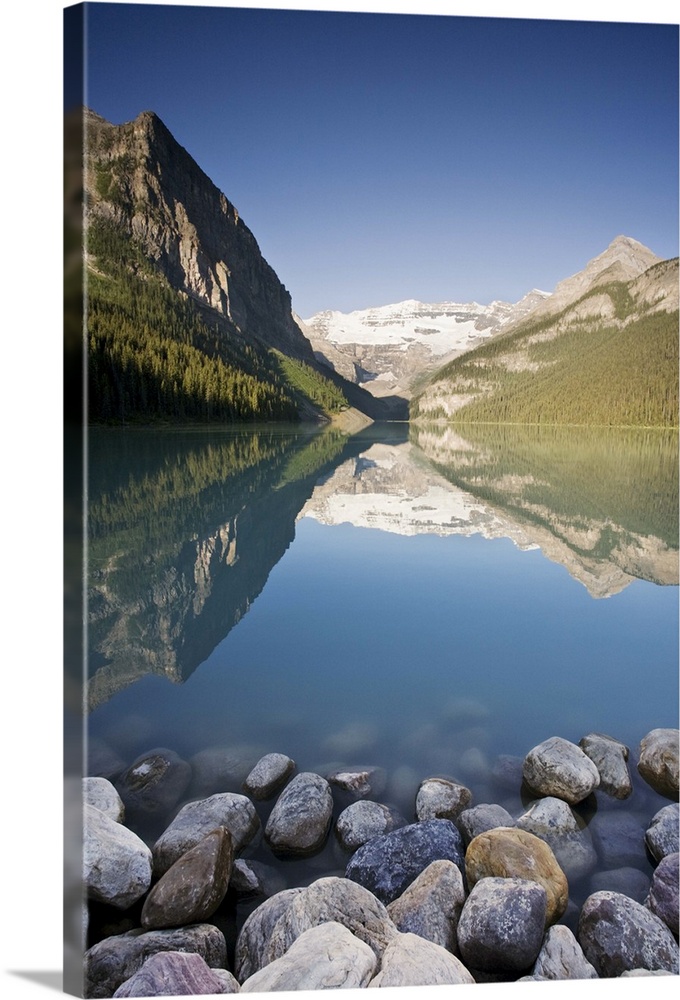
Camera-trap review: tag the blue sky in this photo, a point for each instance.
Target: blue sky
(378, 157)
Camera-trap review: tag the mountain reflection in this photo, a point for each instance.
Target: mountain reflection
(183, 531)
(184, 527)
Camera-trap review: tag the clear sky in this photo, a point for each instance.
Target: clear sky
(378, 157)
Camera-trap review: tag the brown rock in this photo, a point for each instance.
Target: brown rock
(506, 852)
(658, 763)
(192, 888)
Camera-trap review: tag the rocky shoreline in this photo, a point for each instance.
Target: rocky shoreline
(459, 892)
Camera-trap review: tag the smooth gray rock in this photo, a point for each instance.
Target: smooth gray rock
(172, 973)
(658, 762)
(253, 940)
(561, 957)
(386, 865)
(662, 834)
(154, 782)
(359, 782)
(554, 821)
(619, 838)
(230, 983)
(560, 768)
(480, 818)
(111, 961)
(363, 820)
(412, 960)
(252, 878)
(628, 881)
(617, 934)
(116, 862)
(610, 757)
(439, 798)
(269, 775)
(197, 819)
(300, 820)
(663, 894)
(431, 905)
(100, 793)
(192, 888)
(501, 925)
(333, 899)
(324, 957)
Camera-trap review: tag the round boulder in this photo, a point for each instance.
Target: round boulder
(617, 934)
(431, 905)
(662, 835)
(411, 960)
(269, 774)
(560, 768)
(386, 865)
(192, 888)
(439, 798)
(479, 819)
(100, 793)
(663, 894)
(116, 862)
(658, 762)
(511, 853)
(610, 757)
(197, 819)
(501, 925)
(299, 822)
(363, 820)
(561, 957)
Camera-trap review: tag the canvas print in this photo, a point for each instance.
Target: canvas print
(371, 372)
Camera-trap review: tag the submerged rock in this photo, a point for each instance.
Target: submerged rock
(116, 862)
(359, 782)
(386, 865)
(197, 819)
(269, 774)
(617, 934)
(173, 973)
(554, 821)
(192, 888)
(252, 878)
(300, 820)
(658, 762)
(610, 757)
(221, 769)
(430, 906)
(363, 820)
(560, 768)
(327, 956)
(439, 798)
(480, 818)
(629, 881)
(512, 853)
(619, 839)
(412, 960)
(154, 782)
(502, 923)
(662, 835)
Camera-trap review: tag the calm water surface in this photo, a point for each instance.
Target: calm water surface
(424, 601)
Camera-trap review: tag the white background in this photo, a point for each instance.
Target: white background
(31, 266)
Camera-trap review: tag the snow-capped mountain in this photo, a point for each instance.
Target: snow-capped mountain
(388, 346)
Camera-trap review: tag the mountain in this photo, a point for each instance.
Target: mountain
(389, 348)
(602, 349)
(186, 317)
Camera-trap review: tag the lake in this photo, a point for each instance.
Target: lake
(428, 601)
